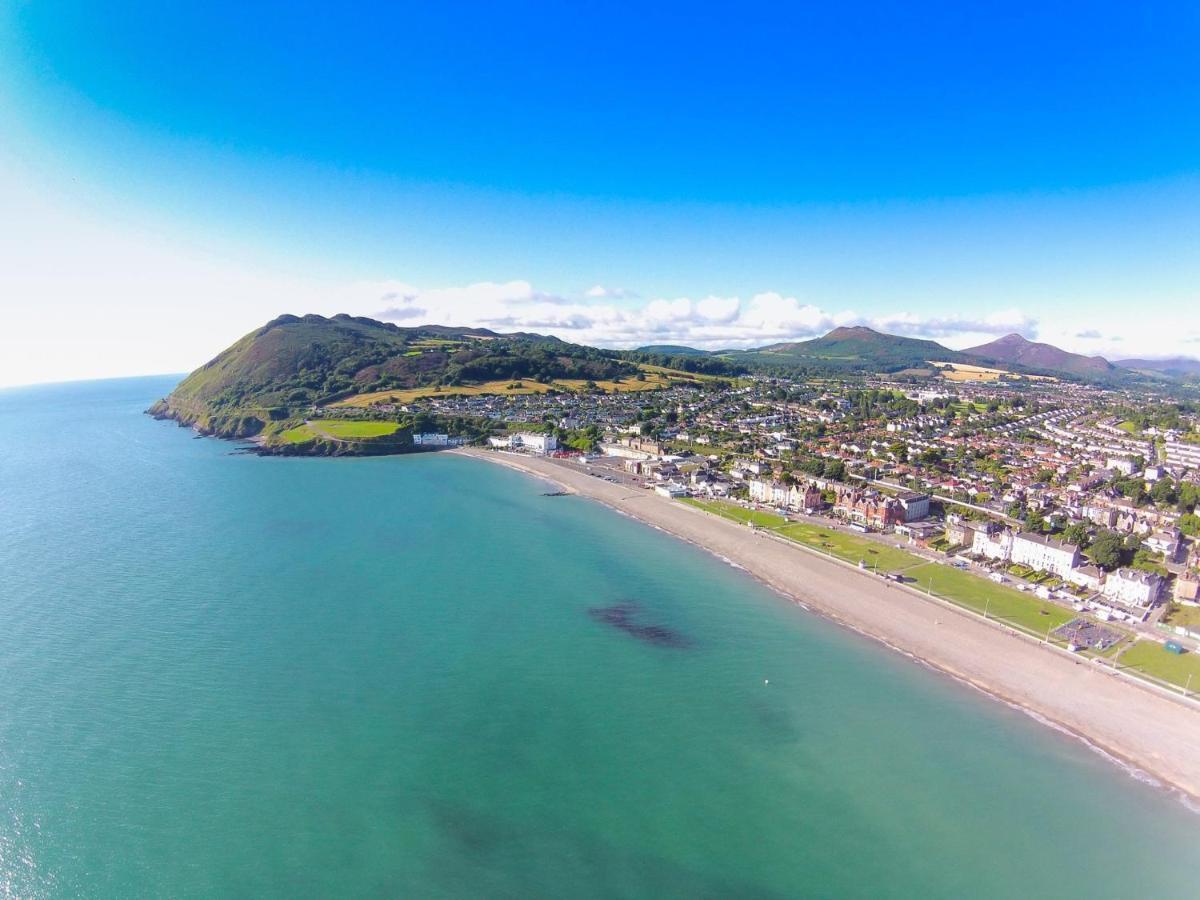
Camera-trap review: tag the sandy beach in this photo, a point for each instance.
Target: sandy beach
(1138, 725)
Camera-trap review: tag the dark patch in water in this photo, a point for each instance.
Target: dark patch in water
(623, 616)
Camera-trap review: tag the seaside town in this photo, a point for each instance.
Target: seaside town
(1081, 497)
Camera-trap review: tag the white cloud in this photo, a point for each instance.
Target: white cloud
(600, 292)
(710, 322)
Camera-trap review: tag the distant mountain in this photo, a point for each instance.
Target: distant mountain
(1175, 366)
(857, 349)
(671, 350)
(1012, 349)
(280, 370)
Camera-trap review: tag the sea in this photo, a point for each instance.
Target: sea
(230, 676)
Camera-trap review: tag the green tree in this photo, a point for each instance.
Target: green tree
(1105, 550)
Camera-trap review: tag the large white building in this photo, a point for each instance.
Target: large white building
(1133, 587)
(532, 442)
(1045, 554)
(1181, 454)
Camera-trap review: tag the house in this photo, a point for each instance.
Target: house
(672, 489)
(959, 532)
(1168, 543)
(1045, 554)
(431, 440)
(1133, 587)
(993, 541)
(868, 508)
(1187, 588)
(1088, 577)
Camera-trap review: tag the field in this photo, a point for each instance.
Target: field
(964, 372)
(1150, 658)
(739, 514)
(979, 594)
(502, 388)
(847, 547)
(347, 429)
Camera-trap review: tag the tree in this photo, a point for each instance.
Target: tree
(834, 469)
(1078, 535)
(1189, 524)
(1163, 493)
(1106, 550)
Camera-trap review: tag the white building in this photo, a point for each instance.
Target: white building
(992, 541)
(1181, 454)
(1122, 464)
(916, 506)
(1133, 587)
(671, 489)
(532, 442)
(1045, 554)
(431, 440)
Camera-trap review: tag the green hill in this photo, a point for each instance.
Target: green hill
(281, 370)
(856, 349)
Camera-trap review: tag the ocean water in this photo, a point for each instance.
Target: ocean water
(229, 676)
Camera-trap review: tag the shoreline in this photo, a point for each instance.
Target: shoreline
(1153, 736)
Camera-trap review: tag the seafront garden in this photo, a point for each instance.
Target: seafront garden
(1019, 610)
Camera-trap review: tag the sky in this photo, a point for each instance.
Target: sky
(174, 175)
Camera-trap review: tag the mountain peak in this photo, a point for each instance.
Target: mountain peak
(1013, 348)
(844, 332)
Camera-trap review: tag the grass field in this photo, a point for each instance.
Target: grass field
(1150, 658)
(738, 514)
(849, 547)
(979, 594)
(501, 388)
(963, 372)
(348, 429)
(301, 434)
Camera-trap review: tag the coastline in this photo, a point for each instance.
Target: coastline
(1134, 724)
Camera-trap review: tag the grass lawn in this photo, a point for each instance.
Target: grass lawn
(849, 547)
(1150, 657)
(738, 514)
(1187, 616)
(349, 429)
(301, 434)
(1129, 427)
(1006, 604)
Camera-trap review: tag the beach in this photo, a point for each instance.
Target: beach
(1154, 734)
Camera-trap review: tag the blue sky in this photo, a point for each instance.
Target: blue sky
(613, 174)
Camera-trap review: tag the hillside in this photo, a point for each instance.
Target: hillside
(852, 349)
(1174, 367)
(293, 362)
(671, 350)
(1012, 349)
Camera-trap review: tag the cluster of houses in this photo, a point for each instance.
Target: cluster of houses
(999, 543)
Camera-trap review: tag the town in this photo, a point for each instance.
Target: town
(1081, 496)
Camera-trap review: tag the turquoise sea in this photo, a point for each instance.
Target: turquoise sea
(229, 676)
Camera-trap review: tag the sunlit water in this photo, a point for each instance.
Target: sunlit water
(225, 675)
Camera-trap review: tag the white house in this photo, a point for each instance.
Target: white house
(431, 440)
(992, 541)
(1045, 554)
(1133, 587)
